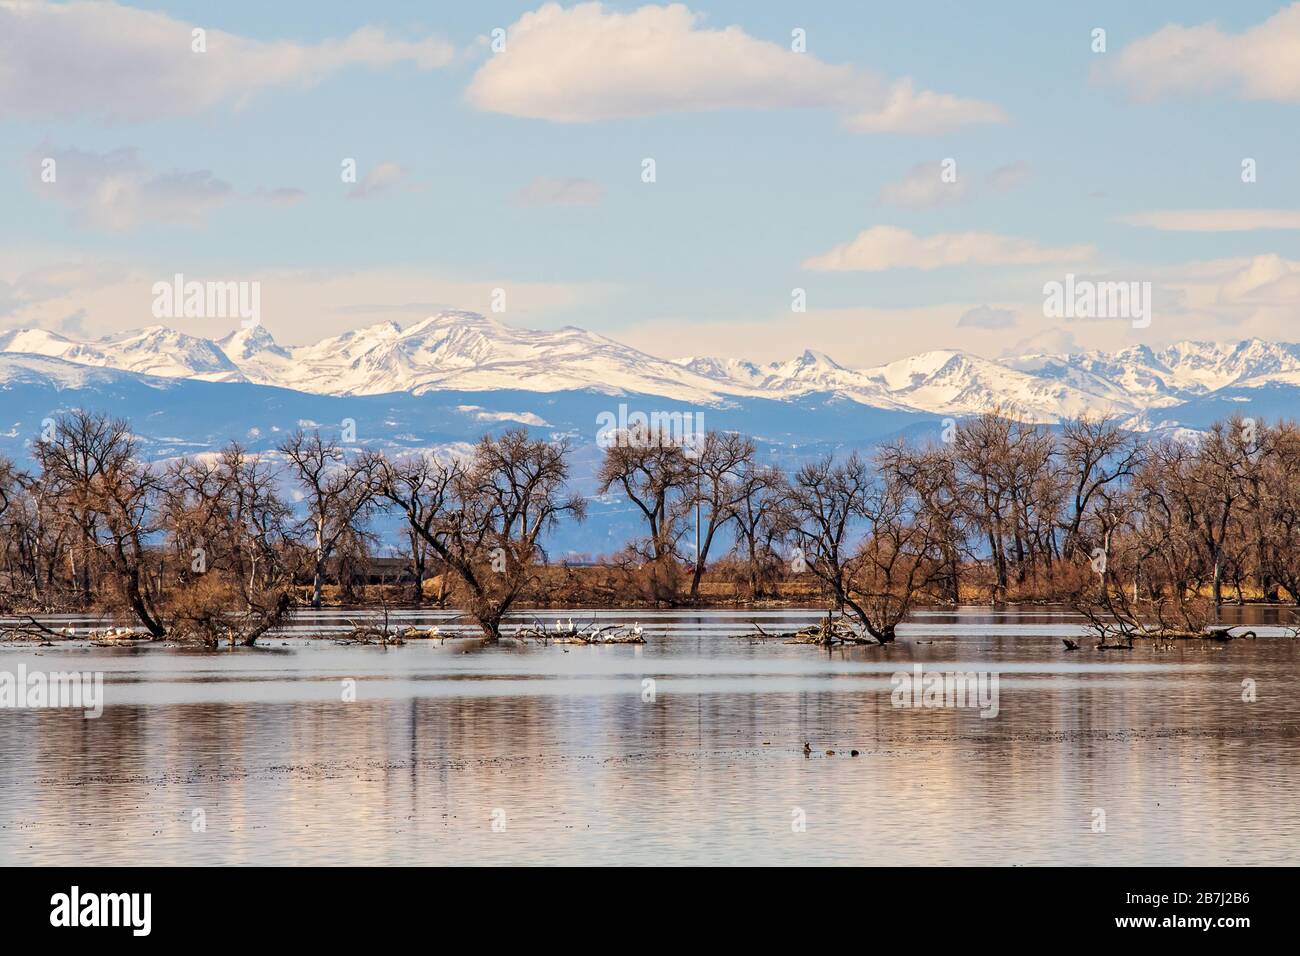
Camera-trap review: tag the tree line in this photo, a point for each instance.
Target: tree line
(1139, 533)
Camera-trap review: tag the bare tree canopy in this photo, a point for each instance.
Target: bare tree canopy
(1141, 534)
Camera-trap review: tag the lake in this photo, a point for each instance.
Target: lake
(688, 749)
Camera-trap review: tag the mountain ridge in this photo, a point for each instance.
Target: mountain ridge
(465, 351)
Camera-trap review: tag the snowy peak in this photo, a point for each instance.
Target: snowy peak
(466, 351)
(163, 352)
(244, 344)
(35, 342)
(471, 352)
(811, 359)
(1180, 371)
(1214, 366)
(155, 351)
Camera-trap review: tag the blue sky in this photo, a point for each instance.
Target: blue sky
(701, 261)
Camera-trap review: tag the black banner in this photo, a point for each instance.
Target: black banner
(229, 905)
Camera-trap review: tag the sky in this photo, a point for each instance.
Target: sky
(918, 172)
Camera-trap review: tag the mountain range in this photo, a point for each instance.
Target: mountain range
(469, 353)
(443, 382)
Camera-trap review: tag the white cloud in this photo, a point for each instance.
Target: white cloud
(889, 247)
(1008, 177)
(907, 111)
(1216, 300)
(1260, 63)
(1241, 289)
(124, 64)
(924, 187)
(1048, 342)
(25, 287)
(987, 317)
(548, 191)
(116, 191)
(1215, 220)
(586, 63)
(382, 178)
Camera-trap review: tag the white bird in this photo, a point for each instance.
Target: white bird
(636, 628)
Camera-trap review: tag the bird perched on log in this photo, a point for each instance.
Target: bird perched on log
(807, 748)
(1069, 644)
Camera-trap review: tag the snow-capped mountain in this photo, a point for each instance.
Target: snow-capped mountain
(467, 352)
(153, 351)
(1155, 378)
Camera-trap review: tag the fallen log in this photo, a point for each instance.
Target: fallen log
(826, 633)
(609, 634)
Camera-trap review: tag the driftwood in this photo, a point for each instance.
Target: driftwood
(428, 634)
(1122, 638)
(1225, 634)
(573, 634)
(827, 632)
(363, 633)
(33, 630)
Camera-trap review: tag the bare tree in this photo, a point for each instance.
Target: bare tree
(338, 494)
(930, 473)
(982, 450)
(827, 502)
(230, 534)
(763, 521)
(719, 464)
(900, 559)
(91, 461)
(1096, 455)
(653, 472)
(422, 488)
(488, 531)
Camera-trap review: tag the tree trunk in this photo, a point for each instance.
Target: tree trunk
(317, 576)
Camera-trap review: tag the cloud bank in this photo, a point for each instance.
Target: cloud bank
(122, 64)
(586, 63)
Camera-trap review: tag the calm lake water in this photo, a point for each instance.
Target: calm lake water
(456, 753)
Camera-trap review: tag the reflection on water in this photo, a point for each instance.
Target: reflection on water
(561, 749)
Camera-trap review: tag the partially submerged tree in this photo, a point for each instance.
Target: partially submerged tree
(929, 474)
(230, 532)
(90, 462)
(485, 519)
(827, 503)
